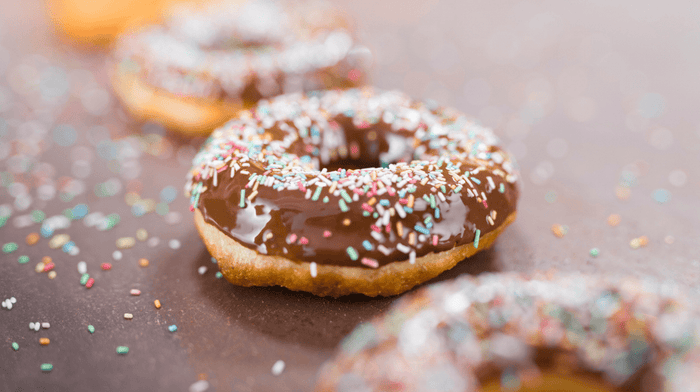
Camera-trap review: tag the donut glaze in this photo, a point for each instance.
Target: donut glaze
(621, 334)
(425, 179)
(236, 53)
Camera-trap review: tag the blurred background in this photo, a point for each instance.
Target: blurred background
(596, 99)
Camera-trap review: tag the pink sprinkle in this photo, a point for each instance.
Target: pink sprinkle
(222, 168)
(303, 240)
(358, 191)
(375, 228)
(326, 233)
(387, 229)
(89, 283)
(412, 181)
(435, 240)
(369, 262)
(291, 238)
(367, 207)
(301, 187)
(403, 201)
(48, 267)
(390, 191)
(191, 208)
(484, 203)
(106, 266)
(135, 292)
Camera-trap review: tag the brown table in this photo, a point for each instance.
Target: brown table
(598, 100)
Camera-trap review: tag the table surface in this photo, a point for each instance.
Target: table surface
(597, 100)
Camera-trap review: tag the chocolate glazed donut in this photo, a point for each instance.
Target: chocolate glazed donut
(204, 65)
(355, 191)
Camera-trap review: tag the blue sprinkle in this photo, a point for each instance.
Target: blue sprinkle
(367, 245)
(421, 229)
(172, 328)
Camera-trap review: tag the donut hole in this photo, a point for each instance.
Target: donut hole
(557, 370)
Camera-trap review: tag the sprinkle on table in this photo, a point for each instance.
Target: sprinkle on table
(559, 230)
(172, 328)
(122, 350)
(135, 292)
(594, 252)
(46, 367)
(90, 282)
(9, 247)
(23, 259)
(128, 316)
(44, 341)
(106, 266)
(143, 262)
(32, 238)
(156, 303)
(278, 368)
(15, 346)
(613, 220)
(91, 329)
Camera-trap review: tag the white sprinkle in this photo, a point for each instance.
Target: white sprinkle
(128, 316)
(13, 300)
(174, 244)
(202, 270)
(37, 326)
(82, 267)
(377, 236)
(399, 210)
(117, 255)
(4, 305)
(441, 196)
(45, 325)
(385, 251)
(403, 248)
(74, 251)
(153, 242)
(31, 325)
(278, 368)
(135, 292)
(412, 257)
(199, 386)
(312, 268)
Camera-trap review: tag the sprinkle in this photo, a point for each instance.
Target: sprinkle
(370, 262)
(90, 282)
(15, 346)
(106, 266)
(172, 328)
(83, 279)
(23, 259)
(9, 247)
(82, 267)
(352, 253)
(326, 233)
(477, 235)
(594, 252)
(421, 229)
(403, 248)
(202, 270)
(143, 262)
(242, 203)
(126, 242)
(367, 245)
(313, 268)
(343, 206)
(46, 367)
(135, 292)
(559, 230)
(117, 255)
(141, 235)
(128, 316)
(399, 229)
(317, 194)
(218, 275)
(122, 350)
(45, 325)
(156, 303)
(48, 267)
(39, 267)
(412, 257)
(614, 220)
(44, 341)
(91, 329)
(174, 244)
(278, 368)
(32, 238)
(52, 274)
(345, 196)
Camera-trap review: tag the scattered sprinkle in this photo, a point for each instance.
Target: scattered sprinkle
(117, 255)
(278, 368)
(594, 252)
(9, 247)
(614, 220)
(32, 238)
(126, 242)
(156, 303)
(106, 266)
(477, 235)
(313, 268)
(15, 346)
(128, 316)
(172, 328)
(122, 350)
(23, 259)
(135, 292)
(91, 329)
(559, 230)
(44, 341)
(46, 367)
(90, 282)
(174, 244)
(143, 262)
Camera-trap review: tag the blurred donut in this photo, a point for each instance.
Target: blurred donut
(504, 332)
(202, 66)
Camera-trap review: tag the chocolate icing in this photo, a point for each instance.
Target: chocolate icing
(289, 223)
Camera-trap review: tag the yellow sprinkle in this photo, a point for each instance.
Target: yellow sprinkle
(372, 200)
(143, 262)
(411, 199)
(252, 195)
(141, 234)
(126, 242)
(156, 303)
(44, 341)
(58, 241)
(412, 238)
(128, 316)
(399, 229)
(52, 274)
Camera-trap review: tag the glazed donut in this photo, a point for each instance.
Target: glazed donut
(507, 332)
(202, 66)
(354, 191)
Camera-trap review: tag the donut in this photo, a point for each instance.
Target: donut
(349, 191)
(505, 332)
(200, 67)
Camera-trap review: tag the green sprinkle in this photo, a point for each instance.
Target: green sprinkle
(172, 328)
(122, 350)
(345, 196)
(432, 201)
(326, 199)
(219, 275)
(502, 188)
(38, 216)
(3, 220)
(91, 329)
(9, 247)
(46, 367)
(23, 259)
(343, 206)
(242, 203)
(444, 190)
(353, 253)
(84, 278)
(594, 252)
(15, 346)
(476, 238)
(317, 194)
(459, 188)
